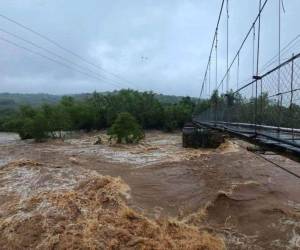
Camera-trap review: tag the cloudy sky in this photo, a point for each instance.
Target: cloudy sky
(159, 45)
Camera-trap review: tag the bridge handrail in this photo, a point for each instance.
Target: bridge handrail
(250, 125)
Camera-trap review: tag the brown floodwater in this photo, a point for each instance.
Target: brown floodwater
(246, 200)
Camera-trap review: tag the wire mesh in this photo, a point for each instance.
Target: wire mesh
(269, 105)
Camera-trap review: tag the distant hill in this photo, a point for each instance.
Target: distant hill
(10, 102)
(14, 100)
(171, 99)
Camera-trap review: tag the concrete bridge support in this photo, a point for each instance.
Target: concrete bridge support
(201, 137)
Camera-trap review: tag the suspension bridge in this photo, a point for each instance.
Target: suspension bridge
(266, 107)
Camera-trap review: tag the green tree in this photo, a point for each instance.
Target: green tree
(38, 127)
(30, 123)
(170, 122)
(126, 129)
(57, 118)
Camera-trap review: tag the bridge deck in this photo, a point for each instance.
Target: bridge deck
(279, 137)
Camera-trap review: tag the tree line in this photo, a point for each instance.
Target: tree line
(101, 111)
(98, 111)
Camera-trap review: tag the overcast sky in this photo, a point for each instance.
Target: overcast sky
(159, 45)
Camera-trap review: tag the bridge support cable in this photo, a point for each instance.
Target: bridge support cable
(238, 72)
(212, 46)
(265, 129)
(291, 98)
(253, 55)
(209, 79)
(279, 99)
(287, 48)
(227, 45)
(292, 82)
(261, 100)
(266, 109)
(279, 44)
(253, 67)
(216, 52)
(269, 160)
(263, 5)
(288, 61)
(257, 64)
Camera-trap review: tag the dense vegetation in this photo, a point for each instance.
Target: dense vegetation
(9, 101)
(97, 111)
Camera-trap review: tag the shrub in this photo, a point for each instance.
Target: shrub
(126, 129)
(29, 123)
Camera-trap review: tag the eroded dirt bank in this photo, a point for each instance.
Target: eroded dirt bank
(227, 192)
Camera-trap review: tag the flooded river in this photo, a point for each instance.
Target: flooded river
(241, 197)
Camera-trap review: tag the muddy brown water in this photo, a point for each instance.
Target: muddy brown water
(247, 200)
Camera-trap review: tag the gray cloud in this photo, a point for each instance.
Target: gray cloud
(157, 45)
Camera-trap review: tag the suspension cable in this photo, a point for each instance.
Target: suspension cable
(292, 83)
(268, 160)
(227, 52)
(253, 56)
(257, 64)
(279, 101)
(279, 44)
(294, 57)
(288, 47)
(209, 79)
(244, 41)
(212, 45)
(238, 72)
(216, 50)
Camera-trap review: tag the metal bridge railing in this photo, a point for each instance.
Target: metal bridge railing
(268, 106)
